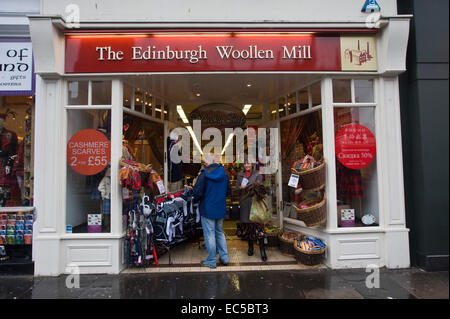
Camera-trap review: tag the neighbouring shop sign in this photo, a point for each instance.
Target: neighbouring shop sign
(88, 152)
(220, 52)
(355, 146)
(16, 69)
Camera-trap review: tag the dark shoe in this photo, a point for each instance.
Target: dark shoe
(262, 250)
(222, 263)
(250, 247)
(205, 264)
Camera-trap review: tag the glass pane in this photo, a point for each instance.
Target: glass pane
(127, 90)
(78, 93)
(364, 91)
(158, 108)
(148, 103)
(300, 137)
(138, 100)
(342, 92)
(303, 99)
(316, 95)
(282, 107)
(101, 92)
(166, 112)
(356, 167)
(143, 143)
(16, 150)
(292, 103)
(273, 111)
(88, 174)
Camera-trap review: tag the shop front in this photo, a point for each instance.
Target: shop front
(110, 99)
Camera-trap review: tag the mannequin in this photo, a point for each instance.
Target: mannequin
(8, 148)
(175, 170)
(105, 189)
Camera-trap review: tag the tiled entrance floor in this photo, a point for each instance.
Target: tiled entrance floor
(186, 257)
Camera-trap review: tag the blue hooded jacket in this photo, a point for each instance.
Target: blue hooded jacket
(211, 189)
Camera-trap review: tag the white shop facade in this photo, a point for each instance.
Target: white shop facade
(100, 75)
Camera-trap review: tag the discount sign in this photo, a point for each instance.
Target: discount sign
(355, 146)
(88, 152)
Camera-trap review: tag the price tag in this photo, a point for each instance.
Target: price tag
(125, 193)
(161, 187)
(244, 182)
(293, 181)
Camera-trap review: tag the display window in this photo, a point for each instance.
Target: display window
(355, 148)
(16, 150)
(88, 173)
(88, 194)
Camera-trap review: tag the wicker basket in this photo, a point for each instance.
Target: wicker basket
(311, 178)
(313, 215)
(286, 246)
(308, 258)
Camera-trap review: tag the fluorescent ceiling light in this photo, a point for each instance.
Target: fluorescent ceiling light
(246, 108)
(182, 114)
(230, 138)
(194, 138)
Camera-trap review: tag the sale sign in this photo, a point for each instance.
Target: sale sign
(88, 152)
(355, 146)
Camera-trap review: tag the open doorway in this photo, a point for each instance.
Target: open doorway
(152, 107)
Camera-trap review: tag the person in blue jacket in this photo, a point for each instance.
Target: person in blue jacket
(212, 188)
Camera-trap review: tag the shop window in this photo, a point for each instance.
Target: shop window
(138, 100)
(273, 111)
(158, 108)
(282, 107)
(291, 103)
(16, 152)
(316, 94)
(301, 138)
(342, 92)
(127, 96)
(88, 194)
(303, 99)
(363, 91)
(78, 93)
(356, 167)
(101, 92)
(166, 112)
(148, 103)
(143, 147)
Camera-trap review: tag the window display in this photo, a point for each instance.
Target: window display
(16, 151)
(88, 172)
(356, 169)
(304, 168)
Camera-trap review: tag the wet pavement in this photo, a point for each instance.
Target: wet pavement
(410, 283)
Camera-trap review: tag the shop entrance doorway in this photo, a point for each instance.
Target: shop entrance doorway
(154, 105)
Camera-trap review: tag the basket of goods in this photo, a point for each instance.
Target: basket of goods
(310, 171)
(272, 235)
(309, 251)
(286, 242)
(312, 211)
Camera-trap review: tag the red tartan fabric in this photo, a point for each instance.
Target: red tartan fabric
(348, 182)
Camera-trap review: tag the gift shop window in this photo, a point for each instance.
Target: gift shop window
(88, 192)
(355, 151)
(143, 102)
(16, 150)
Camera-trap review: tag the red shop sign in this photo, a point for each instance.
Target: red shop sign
(355, 146)
(202, 52)
(88, 152)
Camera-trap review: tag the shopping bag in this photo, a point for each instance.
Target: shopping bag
(259, 213)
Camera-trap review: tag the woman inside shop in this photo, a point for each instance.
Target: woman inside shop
(247, 229)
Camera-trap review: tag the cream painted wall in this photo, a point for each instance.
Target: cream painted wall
(218, 10)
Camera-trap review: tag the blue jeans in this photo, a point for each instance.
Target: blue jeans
(214, 240)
